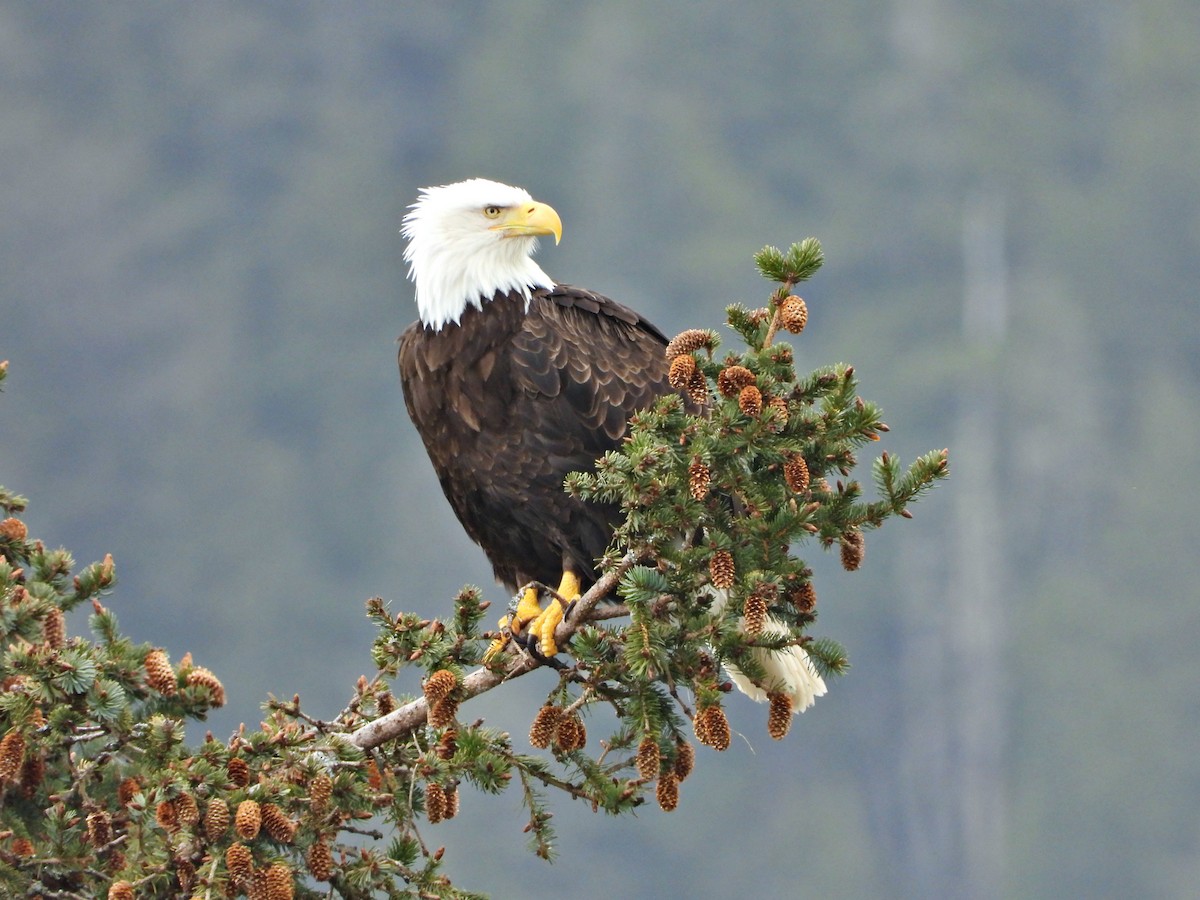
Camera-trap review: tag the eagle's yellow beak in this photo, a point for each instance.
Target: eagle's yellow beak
(532, 218)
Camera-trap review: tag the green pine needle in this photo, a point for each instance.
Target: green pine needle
(829, 656)
(799, 263)
(641, 585)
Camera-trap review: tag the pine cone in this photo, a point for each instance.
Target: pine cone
(186, 811)
(681, 371)
(320, 861)
(779, 717)
(435, 802)
(649, 758)
(448, 745)
(732, 379)
(54, 629)
(239, 863)
(22, 846)
(712, 727)
(451, 801)
(257, 888)
(319, 793)
(12, 754)
(239, 772)
(167, 817)
(754, 614)
(688, 342)
(99, 829)
(571, 734)
(699, 479)
(443, 712)
(13, 530)
(120, 890)
(202, 677)
(248, 820)
(750, 401)
(438, 685)
(126, 790)
(793, 314)
(216, 819)
(374, 776)
(685, 760)
(277, 824)
(541, 732)
(697, 388)
(721, 570)
(779, 405)
(853, 548)
(804, 598)
(795, 473)
(279, 882)
(159, 674)
(668, 791)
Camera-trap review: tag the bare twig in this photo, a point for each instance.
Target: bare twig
(775, 302)
(408, 718)
(365, 832)
(575, 790)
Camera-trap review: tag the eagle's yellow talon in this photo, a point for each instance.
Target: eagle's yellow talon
(496, 647)
(542, 628)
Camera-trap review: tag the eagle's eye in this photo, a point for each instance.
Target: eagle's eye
(491, 211)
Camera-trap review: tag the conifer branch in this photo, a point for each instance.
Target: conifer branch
(402, 722)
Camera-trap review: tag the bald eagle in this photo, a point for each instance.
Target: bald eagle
(513, 380)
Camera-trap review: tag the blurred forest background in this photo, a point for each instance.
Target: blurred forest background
(202, 283)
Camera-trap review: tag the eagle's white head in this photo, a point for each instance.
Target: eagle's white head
(466, 241)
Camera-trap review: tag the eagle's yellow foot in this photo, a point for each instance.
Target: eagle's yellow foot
(532, 626)
(528, 610)
(541, 629)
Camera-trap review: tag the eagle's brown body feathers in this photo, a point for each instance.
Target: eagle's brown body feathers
(509, 401)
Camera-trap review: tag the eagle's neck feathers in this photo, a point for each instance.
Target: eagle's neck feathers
(446, 285)
(456, 262)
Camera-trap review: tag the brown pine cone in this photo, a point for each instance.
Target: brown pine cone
(721, 569)
(712, 727)
(793, 314)
(248, 820)
(750, 401)
(779, 716)
(699, 479)
(159, 674)
(795, 473)
(648, 758)
(667, 793)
